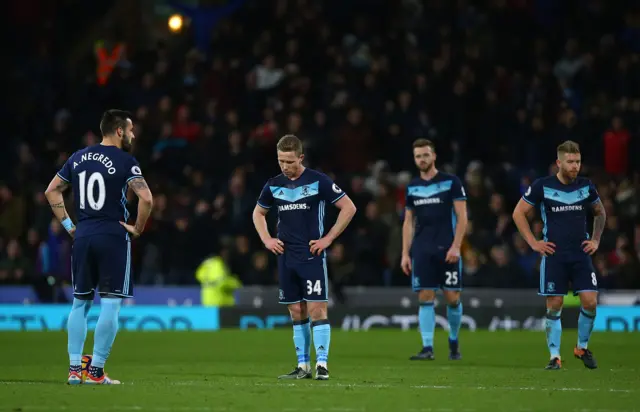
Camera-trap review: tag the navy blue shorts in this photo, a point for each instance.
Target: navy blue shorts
(431, 271)
(559, 274)
(101, 262)
(302, 281)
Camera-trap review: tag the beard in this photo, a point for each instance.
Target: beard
(127, 145)
(568, 174)
(425, 167)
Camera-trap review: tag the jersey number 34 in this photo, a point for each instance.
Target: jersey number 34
(314, 287)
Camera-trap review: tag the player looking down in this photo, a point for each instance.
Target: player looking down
(300, 196)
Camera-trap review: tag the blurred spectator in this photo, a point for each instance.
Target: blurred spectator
(15, 268)
(211, 102)
(616, 148)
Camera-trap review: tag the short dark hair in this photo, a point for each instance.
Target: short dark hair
(112, 120)
(424, 143)
(290, 143)
(569, 147)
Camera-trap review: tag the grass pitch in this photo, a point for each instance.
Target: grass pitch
(235, 370)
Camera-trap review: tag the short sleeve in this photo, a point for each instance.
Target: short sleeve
(457, 190)
(593, 194)
(534, 193)
(65, 172)
(329, 191)
(133, 170)
(265, 200)
(408, 204)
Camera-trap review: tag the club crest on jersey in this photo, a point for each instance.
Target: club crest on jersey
(551, 287)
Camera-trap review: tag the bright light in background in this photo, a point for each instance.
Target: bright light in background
(175, 23)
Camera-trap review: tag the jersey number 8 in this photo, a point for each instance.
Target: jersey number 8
(311, 287)
(87, 190)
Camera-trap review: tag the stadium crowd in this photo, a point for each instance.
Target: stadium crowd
(497, 85)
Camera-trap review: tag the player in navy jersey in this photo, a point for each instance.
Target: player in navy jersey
(564, 200)
(435, 222)
(300, 196)
(101, 254)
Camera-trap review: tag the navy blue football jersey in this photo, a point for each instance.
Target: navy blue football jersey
(99, 176)
(432, 204)
(563, 208)
(301, 206)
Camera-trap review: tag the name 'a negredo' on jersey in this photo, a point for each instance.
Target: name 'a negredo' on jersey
(97, 157)
(99, 176)
(431, 202)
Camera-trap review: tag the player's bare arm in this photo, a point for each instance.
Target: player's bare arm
(145, 205)
(599, 219)
(408, 227)
(259, 216)
(347, 211)
(460, 209)
(520, 218)
(55, 197)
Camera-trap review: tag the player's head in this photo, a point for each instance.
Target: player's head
(116, 124)
(424, 154)
(569, 159)
(290, 155)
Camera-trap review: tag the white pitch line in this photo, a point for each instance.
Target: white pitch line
(378, 386)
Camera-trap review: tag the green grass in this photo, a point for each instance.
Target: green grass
(236, 371)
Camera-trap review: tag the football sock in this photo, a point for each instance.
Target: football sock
(321, 340)
(454, 316)
(77, 330)
(427, 323)
(302, 342)
(585, 326)
(106, 330)
(553, 327)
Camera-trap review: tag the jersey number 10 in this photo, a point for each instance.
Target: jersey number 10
(86, 190)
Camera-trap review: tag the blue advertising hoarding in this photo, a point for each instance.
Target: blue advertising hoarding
(618, 319)
(144, 295)
(132, 318)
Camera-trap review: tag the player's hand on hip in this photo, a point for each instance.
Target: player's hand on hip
(453, 254)
(544, 248)
(590, 246)
(72, 232)
(318, 246)
(405, 264)
(276, 246)
(131, 229)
